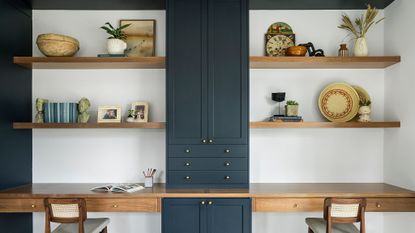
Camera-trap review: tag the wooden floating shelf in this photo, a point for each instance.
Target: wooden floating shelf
(162, 125)
(270, 125)
(91, 62)
(324, 62)
(159, 62)
(148, 125)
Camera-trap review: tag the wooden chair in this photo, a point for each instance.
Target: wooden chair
(72, 215)
(339, 217)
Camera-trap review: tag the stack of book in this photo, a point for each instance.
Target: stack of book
(286, 118)
(61, 113)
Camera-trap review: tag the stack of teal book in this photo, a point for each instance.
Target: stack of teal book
(61, 112)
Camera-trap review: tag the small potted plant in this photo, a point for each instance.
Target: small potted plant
(130, 117)
(291, 108)
(365, 110)
(116, 42)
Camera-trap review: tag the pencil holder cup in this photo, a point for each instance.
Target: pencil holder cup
(148, 182)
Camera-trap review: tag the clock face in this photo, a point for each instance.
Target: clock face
(277, 45)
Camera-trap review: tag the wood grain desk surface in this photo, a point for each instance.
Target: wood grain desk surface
(256, 190)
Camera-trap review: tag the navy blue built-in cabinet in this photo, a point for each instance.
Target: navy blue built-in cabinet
(207, 93)
(206, 215)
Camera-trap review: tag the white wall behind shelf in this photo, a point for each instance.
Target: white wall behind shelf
(278, 155)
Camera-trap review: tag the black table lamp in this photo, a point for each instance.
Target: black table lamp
(279, 97)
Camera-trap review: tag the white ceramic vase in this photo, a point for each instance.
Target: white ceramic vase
(360, 47)
(116, 46)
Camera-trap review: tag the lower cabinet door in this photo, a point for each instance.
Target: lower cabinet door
(190, 215)
(184, 215)
(229, 216)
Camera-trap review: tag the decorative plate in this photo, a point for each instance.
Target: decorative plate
(339, 102)
(277, 45)
(280, 28)
(363, 95)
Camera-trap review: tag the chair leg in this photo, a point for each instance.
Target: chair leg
(105, 230)
(310, 231)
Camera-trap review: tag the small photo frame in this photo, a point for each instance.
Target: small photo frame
(140, 113)
(141, 37)
(109, 114)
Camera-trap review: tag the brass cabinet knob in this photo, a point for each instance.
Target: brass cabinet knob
(210, 141)
(187, 164)
(115, 206)
(203, 203)
(187, 151)
(227, 164)
(204, 141)
(295, 205)
(188, 177)
(227, 151)
(210, 203)
(33, 206)
(227, 177)
(378, 205)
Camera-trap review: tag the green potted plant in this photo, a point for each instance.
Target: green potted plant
(291, 108)
(116, 42)
(130, 117)
(360, 28)
(365, 110)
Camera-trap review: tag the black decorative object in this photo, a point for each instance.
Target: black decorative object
(312, 52)
(279, 97)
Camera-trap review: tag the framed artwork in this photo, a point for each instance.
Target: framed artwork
(109, 114)
(140, 111)
(141, 37)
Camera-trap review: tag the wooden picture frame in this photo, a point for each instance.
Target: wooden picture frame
(109, 114)
(140, 111)
(141, 37)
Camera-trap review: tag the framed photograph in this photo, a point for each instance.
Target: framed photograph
(141, 37)
(140, 111)
(109, 114)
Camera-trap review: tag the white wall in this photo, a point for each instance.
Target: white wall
(283, 155)
(399, 94)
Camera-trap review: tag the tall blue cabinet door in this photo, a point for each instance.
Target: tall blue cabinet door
(228, 69)
(184, 216)
(186, 71)
(229, 216)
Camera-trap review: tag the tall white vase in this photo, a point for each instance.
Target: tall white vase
(116, 46)
(360, 47)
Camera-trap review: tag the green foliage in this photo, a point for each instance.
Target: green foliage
(131, 113)
(292, 102)
(362, 23)
(116, 33)
(365, 102)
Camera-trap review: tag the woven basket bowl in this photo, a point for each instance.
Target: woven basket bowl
(54, 45)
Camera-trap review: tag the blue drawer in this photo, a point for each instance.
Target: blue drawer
(183, 178)
(208, 164)
(184, 151)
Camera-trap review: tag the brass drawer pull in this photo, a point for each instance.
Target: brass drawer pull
(187, 164)
(115, 206)
(227, 164)
(210, 141)
(210, 203)
(378, 205)
(227, 177)
(204, 141)
(227, 151)
(187, 151)
(33, 206)
(203, 203)
(295, 205)
(188, 178)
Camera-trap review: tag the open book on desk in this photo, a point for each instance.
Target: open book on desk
(118, 188)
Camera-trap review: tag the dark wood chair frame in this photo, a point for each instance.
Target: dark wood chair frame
(328, 202)
(80, 220)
